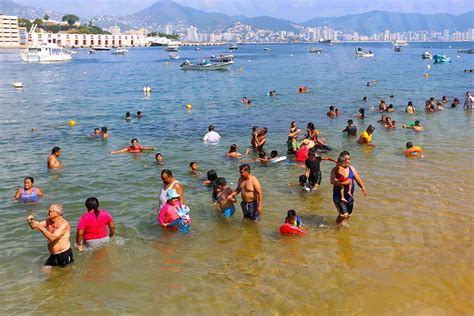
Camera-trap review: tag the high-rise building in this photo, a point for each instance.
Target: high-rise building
(11, 35)
(168, 29)
(192, 34)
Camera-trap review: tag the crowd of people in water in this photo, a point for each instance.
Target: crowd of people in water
(96, 226)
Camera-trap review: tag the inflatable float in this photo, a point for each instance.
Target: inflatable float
(413, 151)
(287, 229)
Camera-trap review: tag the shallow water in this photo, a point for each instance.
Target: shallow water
(408, 249)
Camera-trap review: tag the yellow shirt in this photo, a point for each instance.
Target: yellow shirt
(365, 138)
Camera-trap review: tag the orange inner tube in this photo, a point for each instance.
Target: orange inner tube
(413, 151)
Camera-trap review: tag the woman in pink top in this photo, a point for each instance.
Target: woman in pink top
(92, 228)
(168, 213)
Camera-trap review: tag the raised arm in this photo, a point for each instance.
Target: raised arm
(18, 193)
(39, 192)
(328, 158)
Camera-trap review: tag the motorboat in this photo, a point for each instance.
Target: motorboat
(174, 56)
(101, 48)
(267, 49)
(466, 51)
(315, 50)
(325, 41)
(233, 47)
(172, 48)
(205, 65)
(400, 42)
(197, 49)
(397, 49)
(222, 58)
(119, 51)
(441, 59)
(426, 55)
(361, 53)
(45, 53)
(18, 85)
(71, 51)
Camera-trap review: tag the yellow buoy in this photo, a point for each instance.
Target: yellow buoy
(374, 81)
(426, 76)
(72, 123)
(189, 106)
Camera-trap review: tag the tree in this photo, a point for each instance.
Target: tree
(70, 19)
(25, 23)
(46, 17)
(38, 22)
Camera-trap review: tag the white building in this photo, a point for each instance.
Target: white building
(192, 34)
(86, 40)
(115, 30)
(168, 29)
(11, 34)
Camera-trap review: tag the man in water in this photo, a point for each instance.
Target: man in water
(53, 161)
(251, 194)
(345, 209)
(211, 137)
(366, 136)
(56, 230)
(469, 102)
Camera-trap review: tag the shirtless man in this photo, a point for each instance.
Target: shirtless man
(345, 209)
(56, 230)
(53, 161)
(250, 192)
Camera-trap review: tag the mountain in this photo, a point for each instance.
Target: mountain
(378, 21)
(8, 7)
(267, 22)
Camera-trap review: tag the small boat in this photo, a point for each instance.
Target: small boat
(400, 42)
(397, 49)
(233, 47)
(18, 85)
(101, 48)
(426, 55)
(172, 48)
(119, 51)
(361, 53)
(441, 59)
(323, 41)
(267, 49)
(71, 51)
(315, 50)
(222, 58)
(45, 53)
(174, 56)
(205, 65)
(92, 51)
(197, 49)
(466, 51)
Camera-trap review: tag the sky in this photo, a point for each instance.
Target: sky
(294, 10)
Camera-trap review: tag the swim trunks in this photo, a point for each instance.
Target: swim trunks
(228, 212)
(60, 259)
(250, 210)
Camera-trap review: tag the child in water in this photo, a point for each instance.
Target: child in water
(173, 213)
(303, 183)
(340, 177)
(194, 169)
(220, 195)
(294, 220)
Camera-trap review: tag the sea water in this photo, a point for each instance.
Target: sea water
(408, 249)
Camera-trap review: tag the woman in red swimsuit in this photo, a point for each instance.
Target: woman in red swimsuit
(135, 148)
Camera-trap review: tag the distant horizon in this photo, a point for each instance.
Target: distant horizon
(297, 11)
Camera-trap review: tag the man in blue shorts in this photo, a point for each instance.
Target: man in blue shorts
(251, 193)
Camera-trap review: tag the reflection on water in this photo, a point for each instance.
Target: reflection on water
(407, 249)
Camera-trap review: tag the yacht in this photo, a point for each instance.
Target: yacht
(101, 48)
(45, 53)
(172, 48)
(119, 51)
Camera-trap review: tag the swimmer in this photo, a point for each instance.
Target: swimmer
(410, 108)
(168, 212)
(159, 159)
(445, 99)
(128, 117)
(361, 113)
(408, 146)
(390, 108)
(53, 162)
(135, 148)
(220, 195)
(294, 220)
(96, 132)
(338, 112)
(253, 140)
(212, 137)
(365, 99)
(350, 129)
(372, 108)
(469, 102)
(194, 169)
(233, 152)
(211, 178)
(415, 125)
(303, 183)
(389, 123)
(366, 136)
(139, 114)
(104, 132)
(339, 174)
(439, 106)
(28, 193)
(244, 100)
(382, 106)
(292, 141)
(383, 119)
(262, 138)
(331, 112)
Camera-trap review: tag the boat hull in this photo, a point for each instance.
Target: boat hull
(219, 66)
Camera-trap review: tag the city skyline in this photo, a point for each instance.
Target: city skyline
(296, 10)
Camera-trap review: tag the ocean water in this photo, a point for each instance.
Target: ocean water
(408, 249)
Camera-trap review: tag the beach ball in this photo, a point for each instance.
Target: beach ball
(72, 123)
(426, 76)
(189, 106)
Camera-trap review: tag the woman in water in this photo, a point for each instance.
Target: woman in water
(311, 132)
(233, 152)
(28, 193)
(361, 113)
(135, 148)
(211, 178)
(170, 183)
(410, 108)
(92, 227)
(292, 141)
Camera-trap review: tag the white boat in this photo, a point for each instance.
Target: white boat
(205, 65)
(400, 42)
(315, 50)
(119, 51)
(466, 51)
(197, 49)
(18, 85)
(172, 48)
(361, 53)
(426, 55)
(267, 49)
(174, 56)
(222, 58)
(46, 53)
(101, 48)
(233, 47)
(71, 51)
(397, 49)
